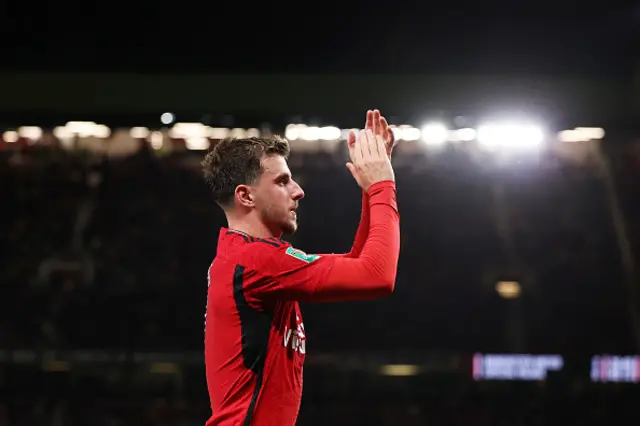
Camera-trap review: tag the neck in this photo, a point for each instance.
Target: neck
(254, 228)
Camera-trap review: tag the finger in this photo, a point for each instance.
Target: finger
(374, 146)
(351, 139)
(352, 169)
(357, 157)
(376, 122)
(384, 126)
(368, 145)
(363, 145)
(351, 143)
(369, 122)
(381, 147)
(389, 136)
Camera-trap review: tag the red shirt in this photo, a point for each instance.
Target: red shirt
(254, 333)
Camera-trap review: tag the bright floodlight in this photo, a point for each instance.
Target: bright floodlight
(167, 118)
(10, 136)
(435, 134)
(466, 134)
(310, 133)
(510, 136)
(294, 131)
(329, 133)
(508, 289)
(408, 133)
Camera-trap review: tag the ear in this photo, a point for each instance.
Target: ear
(244, 196)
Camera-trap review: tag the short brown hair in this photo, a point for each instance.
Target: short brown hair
(232, 162)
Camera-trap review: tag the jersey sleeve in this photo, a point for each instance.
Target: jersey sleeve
(290, 274)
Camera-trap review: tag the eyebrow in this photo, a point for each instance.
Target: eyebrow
(282, 175)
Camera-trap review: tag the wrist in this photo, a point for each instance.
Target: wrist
(379, 186)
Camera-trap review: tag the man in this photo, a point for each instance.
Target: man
(254, 334)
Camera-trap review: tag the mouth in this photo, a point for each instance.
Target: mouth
(293, 213)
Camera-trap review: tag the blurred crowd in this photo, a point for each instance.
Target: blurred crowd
(354, 400)
(112, 253)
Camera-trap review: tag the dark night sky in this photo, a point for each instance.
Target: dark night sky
(462, 37)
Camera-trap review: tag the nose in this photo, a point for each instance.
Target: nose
(297, 193)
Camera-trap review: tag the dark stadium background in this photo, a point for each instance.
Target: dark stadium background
(105, 246)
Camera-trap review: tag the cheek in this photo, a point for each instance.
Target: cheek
(274, 199)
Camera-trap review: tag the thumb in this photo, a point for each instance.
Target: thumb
(352, 169)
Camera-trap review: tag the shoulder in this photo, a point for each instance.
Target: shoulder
(260, 250)
(273, 255)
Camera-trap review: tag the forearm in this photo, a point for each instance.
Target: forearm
(372, 274)
(363, 228)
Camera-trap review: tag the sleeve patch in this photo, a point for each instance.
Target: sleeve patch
(300, 255)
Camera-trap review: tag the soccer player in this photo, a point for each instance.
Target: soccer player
(254, 334)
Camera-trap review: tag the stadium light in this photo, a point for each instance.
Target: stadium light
(30, 132)
(399, 370)
(581, 134)
(330, 133)
(218, 132)
(310, 133)
(465, 135)
(157, 140)
(82, 129)
(167, 118)
(10, 136)
(139, 132)
(239, 133)
(313, 133)
(194, 135)
(435, 134)
(253, 133)
(508, 289)
(407, 133)
(293, 131)
(510, 136)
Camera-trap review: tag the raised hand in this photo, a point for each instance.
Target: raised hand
(370, 162)
(379, 126)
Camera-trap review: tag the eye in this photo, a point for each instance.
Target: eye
(283, 181)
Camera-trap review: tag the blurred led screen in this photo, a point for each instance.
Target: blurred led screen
(624, 369)
(515, 367)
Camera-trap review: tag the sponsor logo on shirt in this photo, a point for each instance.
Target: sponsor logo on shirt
(300, 255)
(295, 339)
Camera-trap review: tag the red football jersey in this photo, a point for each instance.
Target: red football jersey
(255, 341)
(254, 333)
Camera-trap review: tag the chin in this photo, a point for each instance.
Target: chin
(289, 227)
